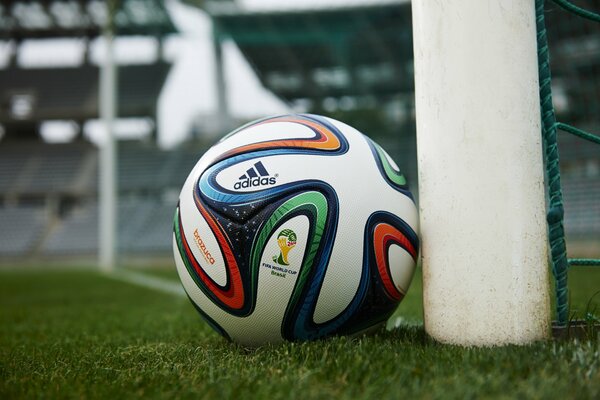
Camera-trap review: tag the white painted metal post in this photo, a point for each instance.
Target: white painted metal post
(107, 189)
(223, 114)
(481, 182)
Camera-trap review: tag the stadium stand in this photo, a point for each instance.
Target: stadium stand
(351, 62)
(152, 232)
(12, 165)
(143, 170)
(52, 169)
(48, 192)
(72, 93)
(32, 95)
(77, 234)
(22, 227)
(26, 19)
(144, 229)
(146, 175)
(361, 49)
(68, 174)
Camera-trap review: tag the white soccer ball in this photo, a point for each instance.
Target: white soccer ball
(295, 227)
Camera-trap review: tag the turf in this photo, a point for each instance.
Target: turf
(77, 334)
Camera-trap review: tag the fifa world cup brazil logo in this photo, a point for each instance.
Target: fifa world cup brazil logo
(286, 240)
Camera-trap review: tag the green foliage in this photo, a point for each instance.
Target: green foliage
(79, 334)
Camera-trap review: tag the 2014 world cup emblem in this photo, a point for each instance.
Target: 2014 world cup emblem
(286, 240)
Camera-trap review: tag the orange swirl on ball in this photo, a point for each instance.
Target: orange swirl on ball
(384, 235)
(324, 138)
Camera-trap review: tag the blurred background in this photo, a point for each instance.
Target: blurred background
(190, 71)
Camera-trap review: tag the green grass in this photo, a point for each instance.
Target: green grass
(584, 285)
(79, 334)
(159, 272)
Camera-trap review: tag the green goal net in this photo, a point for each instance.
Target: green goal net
(574, 123)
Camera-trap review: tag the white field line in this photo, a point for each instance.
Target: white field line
(147, 281)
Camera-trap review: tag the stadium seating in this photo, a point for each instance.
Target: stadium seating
(152, 233)
(149, 180)
(144, 228)
(54, 169)
(68, 173)
(12, 164)
(77, 97)
(77, 234)
(22, 228)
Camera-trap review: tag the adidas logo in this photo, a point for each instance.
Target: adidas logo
(255, 176)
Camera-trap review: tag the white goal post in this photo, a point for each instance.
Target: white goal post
(107, 190)
(481, 179)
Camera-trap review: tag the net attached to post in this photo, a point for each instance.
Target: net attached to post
(550, 127)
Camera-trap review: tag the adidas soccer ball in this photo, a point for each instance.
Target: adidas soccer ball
(295, 228)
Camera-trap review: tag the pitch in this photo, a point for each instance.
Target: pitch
(83, 334)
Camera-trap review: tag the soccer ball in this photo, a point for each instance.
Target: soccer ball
(295, 227)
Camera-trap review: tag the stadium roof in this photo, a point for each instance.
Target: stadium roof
(253, 6)
(331, 51)
(22, 19)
